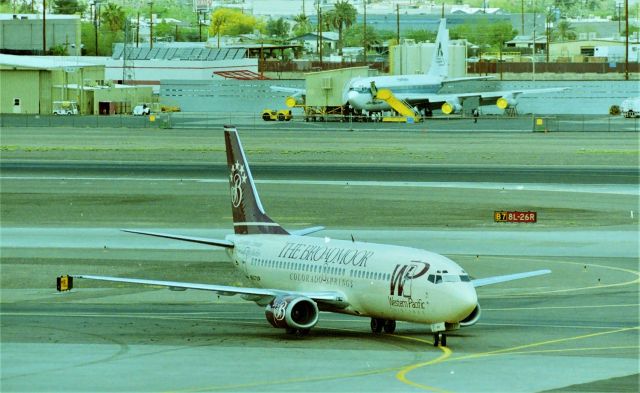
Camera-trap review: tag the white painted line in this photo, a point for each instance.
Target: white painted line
(611, 189)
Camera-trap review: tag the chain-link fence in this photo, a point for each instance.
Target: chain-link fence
(488, 123)
(112, 121)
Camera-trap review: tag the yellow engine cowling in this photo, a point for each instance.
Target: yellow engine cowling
(505, 102)
(293, 101)
(450, 107)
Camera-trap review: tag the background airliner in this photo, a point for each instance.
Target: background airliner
(296, 276)
(422, 90)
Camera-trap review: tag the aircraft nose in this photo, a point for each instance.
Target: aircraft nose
(352, 96)
(465, 300)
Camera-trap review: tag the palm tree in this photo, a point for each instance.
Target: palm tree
(302, 24)
(342, 16)
(564, 31)
(113, 17)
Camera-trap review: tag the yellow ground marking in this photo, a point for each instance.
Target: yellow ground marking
(598, 286)
(541, 343)
(560, 307)
(516, 350)
(402, 374)
(575, 350)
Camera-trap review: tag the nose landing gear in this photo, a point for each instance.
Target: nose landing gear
(439, 339)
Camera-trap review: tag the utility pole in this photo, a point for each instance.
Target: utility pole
(626, 45)
(522, 16)
(398, 23)
(151, 25)
(44, 27)
(320, 34)
(364, 35)
(138, 30)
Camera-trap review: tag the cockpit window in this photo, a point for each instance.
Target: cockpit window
(440, 278)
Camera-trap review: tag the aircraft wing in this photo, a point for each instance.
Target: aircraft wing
(258, 295)
(290, 90)
(509, 277)
(210, 242)
(486, 97)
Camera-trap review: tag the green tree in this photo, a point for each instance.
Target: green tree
(163, 30)
(68, 7)
(421, 35)
(354, 36)
(112, 17)
(484, 33)
(226, 21)
(278, 28)
(302, 25)
(105, 39)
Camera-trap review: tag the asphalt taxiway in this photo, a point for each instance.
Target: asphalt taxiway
(574, 330)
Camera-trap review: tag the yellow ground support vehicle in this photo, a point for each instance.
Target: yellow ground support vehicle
(280, 115)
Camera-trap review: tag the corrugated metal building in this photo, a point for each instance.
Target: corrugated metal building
(22, 33)
(30, 85)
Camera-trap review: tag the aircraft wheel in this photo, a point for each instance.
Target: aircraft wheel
(377, 325)
(439, 339)
(389, 326)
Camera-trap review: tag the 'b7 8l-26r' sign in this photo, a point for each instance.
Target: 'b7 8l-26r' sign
(515, 216)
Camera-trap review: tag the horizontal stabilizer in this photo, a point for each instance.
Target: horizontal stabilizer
(210, 242)
(509, 277)
(306, 231)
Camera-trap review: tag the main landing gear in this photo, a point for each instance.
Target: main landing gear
(439, 339)
(379, 324)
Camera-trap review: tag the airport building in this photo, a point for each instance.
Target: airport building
(179, 61)
(22, 33)
(40, 84)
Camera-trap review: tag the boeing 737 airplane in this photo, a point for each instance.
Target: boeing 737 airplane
(296, 276)
(421, 90)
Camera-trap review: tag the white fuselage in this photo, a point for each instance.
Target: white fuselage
(380, 281)
(360, 97)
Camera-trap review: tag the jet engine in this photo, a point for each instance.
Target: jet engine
(294, 100)
(452, 106)
(472, 318)
(508, 101)
(292, 312)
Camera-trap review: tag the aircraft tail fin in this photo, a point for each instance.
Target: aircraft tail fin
(248, 214)
(440, 61)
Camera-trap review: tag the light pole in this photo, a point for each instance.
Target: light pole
(150, 24)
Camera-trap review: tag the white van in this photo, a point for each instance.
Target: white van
(630, 107)
(141, 110)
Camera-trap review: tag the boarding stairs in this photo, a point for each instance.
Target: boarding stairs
(404, 109)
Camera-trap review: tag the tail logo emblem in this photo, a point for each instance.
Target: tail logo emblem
(237, 178)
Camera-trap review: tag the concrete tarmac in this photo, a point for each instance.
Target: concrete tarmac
(574, 330)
